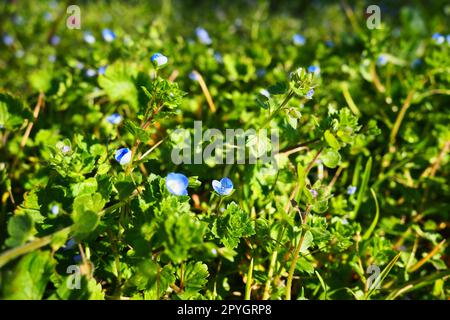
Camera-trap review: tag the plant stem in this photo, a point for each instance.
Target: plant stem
(295, 258)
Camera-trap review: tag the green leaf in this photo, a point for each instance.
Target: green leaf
(86, 209)
(232, 225)
(20, 230)
(195, 276)
(28, 280)
(119, 83)
(13, 112)
(362, 188)
(89, 186)
(369, 231)
(330, 158)
(136, 131)
(331, 140)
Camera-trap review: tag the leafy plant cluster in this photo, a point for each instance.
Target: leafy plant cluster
(88, 187)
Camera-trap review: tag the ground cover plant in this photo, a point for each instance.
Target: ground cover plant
(217, 150)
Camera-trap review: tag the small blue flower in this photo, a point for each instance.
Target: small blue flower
(48, 16)
(77, 258)
(382, 60)
(314, 69)
(55, 209)
(55, 40)
(218, 57)
(438, 38)
(193, 76)
(102, 69)
(123, 156)
(114, 118)
(108, 35)
(90, 72)
(177, 184)
(309, 94)
(298, 39)
(158, 59)
(79, 65)
(70, 244)
(351, 190)
(203, 36)
(261, 72)
(329, 43)
(65, 149)
(8, 40)
(314, 193)
(52, 58)
(448, 38)
(88, 37)
(223, 187)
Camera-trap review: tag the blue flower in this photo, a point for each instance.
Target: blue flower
(329, 43)
(123, 156)
(314, 69)
(55, 209)
(90, 72)
(48, 16)
(108, 35)
(298, 39)
(8, 40)
(223, 187)
(102, 69)
(77, 258)
(88, 37)
(55, 40)
(79, 65)
(218, 57)
(65, 149)
(158, 59)
(261, 72)
(448, 38)
(52, 58)
(351, 190)
(193, 76)
(438, 38)
(70, 244)
(203, 36)
(114, 118)
(309, 94)
(382, 60)
(177, 184)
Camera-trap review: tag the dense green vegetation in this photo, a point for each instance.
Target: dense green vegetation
(355, 205)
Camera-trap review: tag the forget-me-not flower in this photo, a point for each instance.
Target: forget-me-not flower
(218, 57)
(55, 40)
(314, 193)
(309, 94)
(70, 244)
(55, 209)
(177, 184)
(438, 38)
(108, 35)
(158, 59)
(123, 156)
(314, 69)
(114, 118)
(382, 60)
(193, 76)
(351, 190)
(224, 187)
(88, 37)
(8, 40)
(298, 39)
(102, 69)
(90, 72)
(203, 36)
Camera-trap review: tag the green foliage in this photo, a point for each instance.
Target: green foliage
(360, 180)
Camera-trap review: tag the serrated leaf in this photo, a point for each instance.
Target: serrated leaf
(195, 276)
